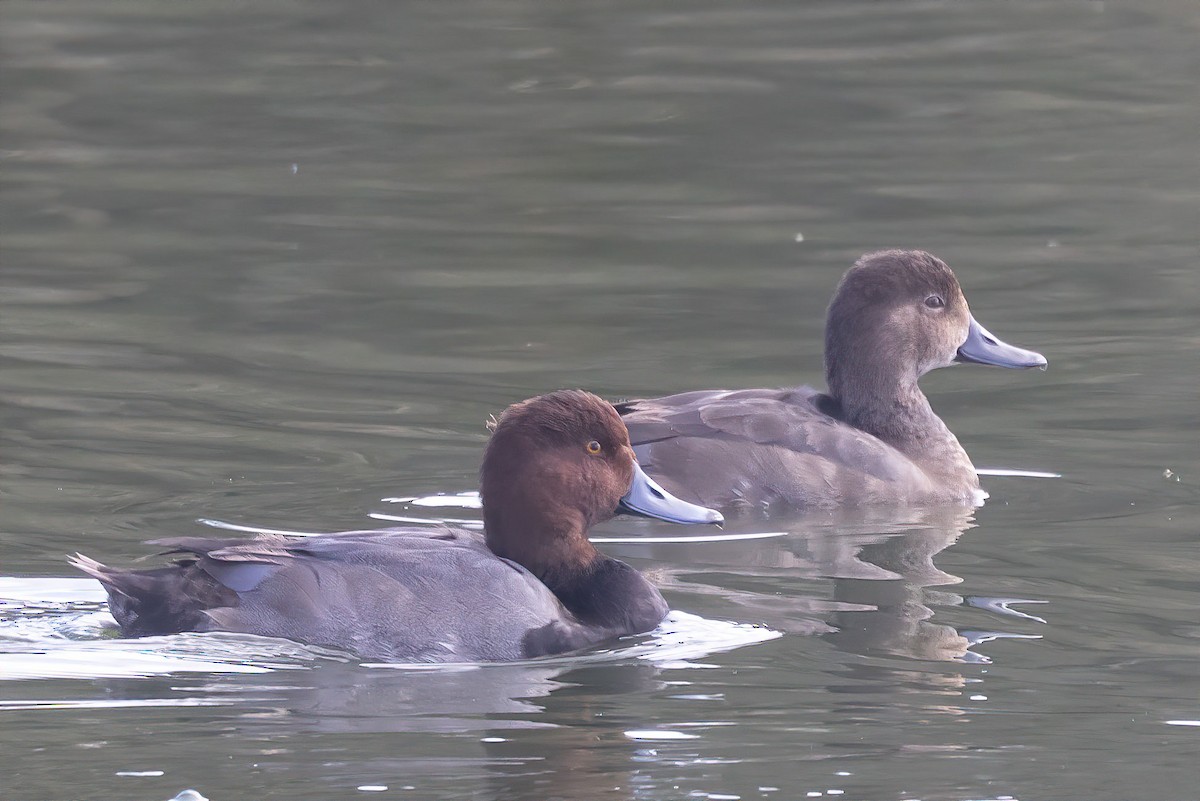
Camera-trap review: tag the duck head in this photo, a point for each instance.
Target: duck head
(555, 466)
(896, 315)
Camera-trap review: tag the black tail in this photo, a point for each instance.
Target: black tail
(164, 600)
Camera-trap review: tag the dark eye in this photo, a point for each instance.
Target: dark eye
(594, 448)
(935, 302)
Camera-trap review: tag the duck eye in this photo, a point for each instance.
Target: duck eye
(935, 302)
(594, 448)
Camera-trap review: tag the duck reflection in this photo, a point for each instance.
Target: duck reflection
(874, 581)
(581, 751)
(894, 615)
(545, 729)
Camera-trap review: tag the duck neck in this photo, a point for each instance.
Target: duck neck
(598, 590)
(898, 413)
(546, 544)
(612, 595)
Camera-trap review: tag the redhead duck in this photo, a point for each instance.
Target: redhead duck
(531, 584)
(871, 439)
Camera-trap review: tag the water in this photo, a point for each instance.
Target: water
(272, 265)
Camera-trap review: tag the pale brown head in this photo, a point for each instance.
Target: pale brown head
(896, 315)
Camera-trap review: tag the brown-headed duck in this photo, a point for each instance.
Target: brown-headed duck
(531, 584)
(872, 439)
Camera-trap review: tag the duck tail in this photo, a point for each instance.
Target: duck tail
(87, 564)
(122, 599)
(145, 602)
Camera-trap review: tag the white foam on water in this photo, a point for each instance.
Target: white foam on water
(1013, 473)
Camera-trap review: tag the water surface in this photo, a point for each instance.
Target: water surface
(274, 264)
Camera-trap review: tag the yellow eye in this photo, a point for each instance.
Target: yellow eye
(593, 447)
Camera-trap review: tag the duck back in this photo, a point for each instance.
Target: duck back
(756, 447)
(416, 595)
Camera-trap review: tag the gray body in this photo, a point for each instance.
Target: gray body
(531, 585)
(756, 447)
(872, 439)
(407, 594)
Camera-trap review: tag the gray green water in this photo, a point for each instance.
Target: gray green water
(274, 263)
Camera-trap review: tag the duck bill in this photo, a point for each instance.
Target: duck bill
(983, 348)
(648, 499)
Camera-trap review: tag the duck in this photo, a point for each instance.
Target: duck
(529, 585)
(871, 439)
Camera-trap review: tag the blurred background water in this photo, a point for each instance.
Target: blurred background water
(274, 263)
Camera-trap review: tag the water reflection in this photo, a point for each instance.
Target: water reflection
(584, 753)
(866, 581)
(349, 698)
(526, 731)
(895, 611)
